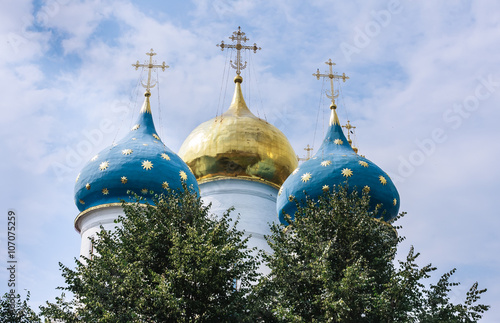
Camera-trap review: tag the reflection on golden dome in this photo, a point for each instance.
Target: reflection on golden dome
(238, 144)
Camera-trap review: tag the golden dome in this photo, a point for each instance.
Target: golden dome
(238, 144)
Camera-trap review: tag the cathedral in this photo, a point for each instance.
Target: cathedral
(233, 160)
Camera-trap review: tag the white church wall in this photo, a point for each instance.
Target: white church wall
(254, 202)
(91, 223)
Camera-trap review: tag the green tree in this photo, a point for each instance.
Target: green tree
(15, 310)
(172, 262)
(335, 263)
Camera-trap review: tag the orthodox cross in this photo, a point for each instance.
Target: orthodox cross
(308, 156)
(150, 66)
(239, 37)
(333, 94)
(348, 126)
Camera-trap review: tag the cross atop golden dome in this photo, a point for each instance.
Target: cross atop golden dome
(150, 66)
(239, 145)
(239, 37)
(333, 94)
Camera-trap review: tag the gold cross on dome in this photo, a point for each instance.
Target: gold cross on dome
(308, 149)
(333, 94)
(150, 66)
(239, 37)
(348, 126)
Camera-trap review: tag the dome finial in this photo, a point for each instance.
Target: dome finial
(150, 66)
(349, 128)
(238, 79)
(333, 94)
(308, 149)
(239, 37)
(238, 106)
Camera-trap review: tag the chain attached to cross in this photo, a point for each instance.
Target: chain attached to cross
(150, 66)
(333, 94)
(239, 37)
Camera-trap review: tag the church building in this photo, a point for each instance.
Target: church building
(233, 160)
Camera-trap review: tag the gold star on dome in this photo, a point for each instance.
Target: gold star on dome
(280, 191)
(126, 151)
(295, 171)
(291, 198)
(326, 163)
(165, 156)
(305, 177)
(363, 163)
(103, 165)
(183, 175)
(87, 186)
(81, 201)
(164, 185)
(144, 191)
(347, 172)
(338, 141)
(325, 188)
(147, 165)
(124, 180)
(156, 136)
(366, 189)
(94, 158)
(382, 180)
(77, 177)
(136, 127)
(395, 202)
(105, 191)
(144, 144)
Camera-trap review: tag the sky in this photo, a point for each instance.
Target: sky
(423, 92)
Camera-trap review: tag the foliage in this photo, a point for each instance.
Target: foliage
(335, 263)
(13, 310)
(173, 262)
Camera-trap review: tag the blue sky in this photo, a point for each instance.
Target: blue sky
(423, 93)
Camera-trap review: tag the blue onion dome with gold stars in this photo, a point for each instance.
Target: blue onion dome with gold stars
(140, 163)
(239, 145)
(334, 164)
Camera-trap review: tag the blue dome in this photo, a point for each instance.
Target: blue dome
(335, 164)
(139, 163)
